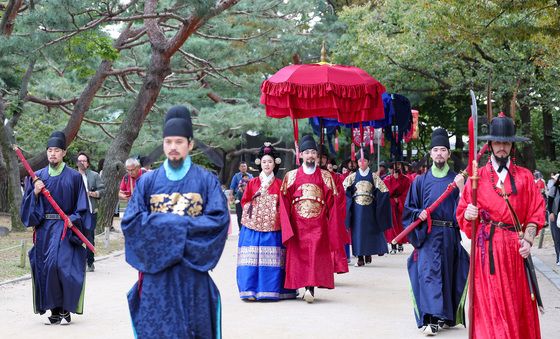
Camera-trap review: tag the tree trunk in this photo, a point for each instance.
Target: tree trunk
(527, 150)
(113, 169)
(12, 189)
(548, 141)
(7, 22)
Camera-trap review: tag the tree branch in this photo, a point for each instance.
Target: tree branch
(440, 81)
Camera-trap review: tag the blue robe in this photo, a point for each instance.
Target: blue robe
(368, 213)
(438, 267)
(175, 232)
(57, 266)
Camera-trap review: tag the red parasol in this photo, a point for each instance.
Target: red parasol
(346, 93)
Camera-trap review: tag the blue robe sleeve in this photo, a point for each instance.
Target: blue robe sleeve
(32, 209)
(77, 216)
(413, 206)
(349, 203)
(156, 241)
(383, 214)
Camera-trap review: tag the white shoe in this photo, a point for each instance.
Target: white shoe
(308, 297)
(430, 330)
(558, 263)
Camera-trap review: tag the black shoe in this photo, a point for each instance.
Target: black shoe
(66, 316)
(400, 247)
(90, 268)
(430, 330)
(55, 319)
(360, 261)
(368, 259)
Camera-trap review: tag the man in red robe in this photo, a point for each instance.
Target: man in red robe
(398, 185)
(340, 256)
(502, 302)
(310, 224)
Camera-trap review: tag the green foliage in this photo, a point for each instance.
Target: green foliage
(84, 52)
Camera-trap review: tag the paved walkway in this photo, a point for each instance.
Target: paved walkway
(368, 302)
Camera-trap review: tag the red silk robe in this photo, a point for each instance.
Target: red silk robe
(398, 188)
(310, 228)
(502, 304)
(339, 255)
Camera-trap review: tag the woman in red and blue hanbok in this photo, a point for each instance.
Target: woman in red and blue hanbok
(260, 254)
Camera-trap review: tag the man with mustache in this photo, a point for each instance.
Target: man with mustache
(57, 265)
(439, 265)
(502, 302)
(310, 223)
(175, 228)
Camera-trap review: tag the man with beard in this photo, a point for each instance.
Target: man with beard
(175, 228)
(438, 267)
(367, 212)
(502, 301)
(310, 224)
(57, 262)
(95, 190)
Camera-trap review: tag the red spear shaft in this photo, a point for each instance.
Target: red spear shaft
(434, 205)
(49, 197)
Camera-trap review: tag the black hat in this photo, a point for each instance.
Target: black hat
(440, 138)
(383, 164)
(268, 149)
(365, 153)
(502, 129)
(178, 123)
(307, 142)
(57, 139)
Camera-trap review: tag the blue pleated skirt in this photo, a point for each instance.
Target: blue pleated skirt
(260, 266)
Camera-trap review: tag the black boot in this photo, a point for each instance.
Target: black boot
(66, 316)
(55, 318)
(368, 259)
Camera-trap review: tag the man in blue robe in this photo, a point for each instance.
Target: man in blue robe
(57, 265)
(439, 265)
(175, 228)
(368, 212)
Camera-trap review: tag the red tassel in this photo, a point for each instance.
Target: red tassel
(371, 135)
(382, 141)
(353, 152)
(336, 141)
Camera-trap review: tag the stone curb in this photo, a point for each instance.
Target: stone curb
(28, 276)
(548, 272)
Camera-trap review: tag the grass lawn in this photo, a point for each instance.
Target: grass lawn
(10, 258)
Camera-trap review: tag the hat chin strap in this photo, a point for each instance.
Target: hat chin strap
(502, 164)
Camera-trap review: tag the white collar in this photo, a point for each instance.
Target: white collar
(363, 173)
(264, 178)
(308, 170)
(502, 175)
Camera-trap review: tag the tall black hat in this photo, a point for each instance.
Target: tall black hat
(365, 153)
(57, 139)
(440, 138)
(307, 142)
(502, 129)
(178, 123)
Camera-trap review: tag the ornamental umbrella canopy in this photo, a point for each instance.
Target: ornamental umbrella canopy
(346, 93)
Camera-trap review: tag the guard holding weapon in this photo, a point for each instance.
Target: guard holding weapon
(503, 306)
